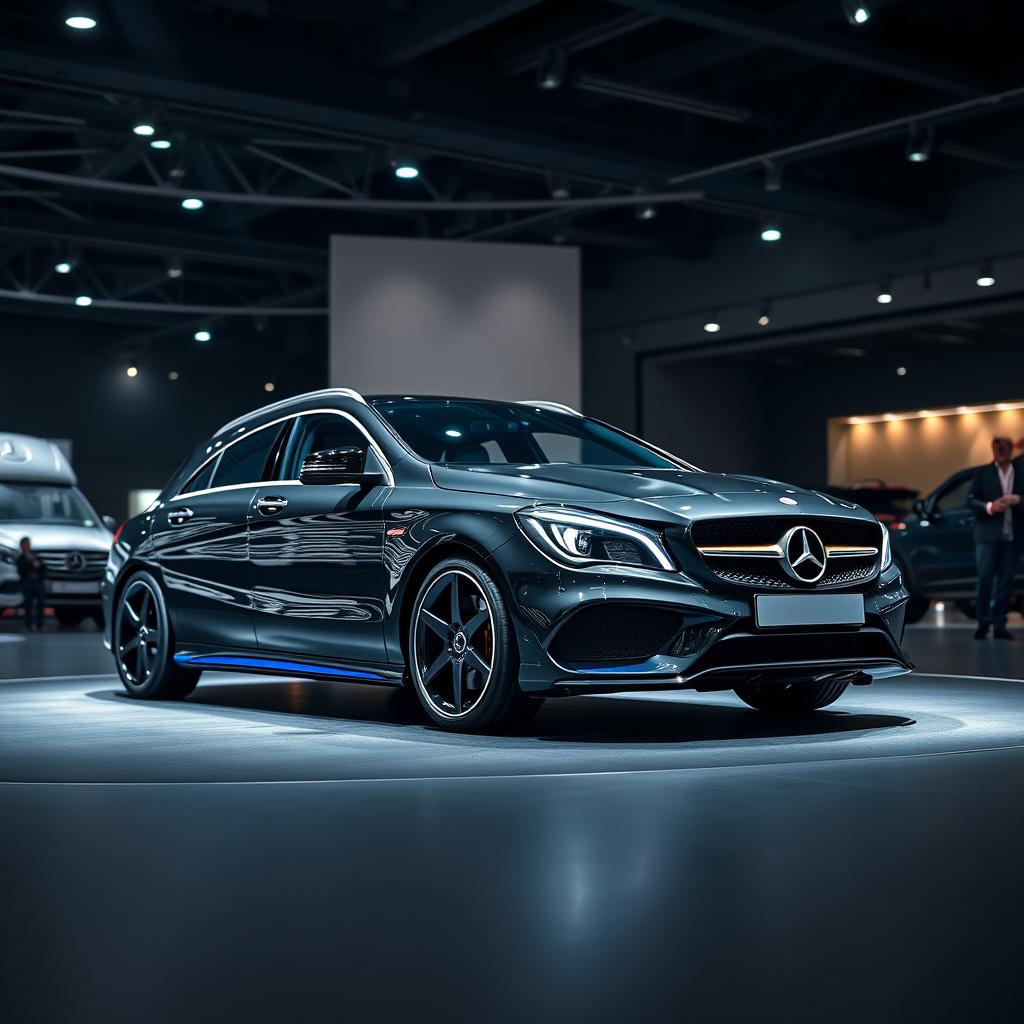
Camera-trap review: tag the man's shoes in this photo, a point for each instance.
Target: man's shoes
(981, 632)
(1002, 633)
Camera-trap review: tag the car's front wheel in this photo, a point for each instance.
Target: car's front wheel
(808, 696)
(144, 646)
(463, 657)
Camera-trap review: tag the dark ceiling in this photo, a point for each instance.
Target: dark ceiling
(287, 119)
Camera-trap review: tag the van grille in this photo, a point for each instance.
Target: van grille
(69, 564)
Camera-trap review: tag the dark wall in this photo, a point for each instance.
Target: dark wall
(772, 420)
(62, 379)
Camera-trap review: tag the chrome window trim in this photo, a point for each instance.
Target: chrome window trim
(284, 402)
(388, 472)
(552, 406)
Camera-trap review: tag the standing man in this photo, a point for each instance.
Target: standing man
(998, 536)
(32, 574)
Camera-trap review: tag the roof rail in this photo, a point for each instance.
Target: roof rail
(553, 406)
(285, 402)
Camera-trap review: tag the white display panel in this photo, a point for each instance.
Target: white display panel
(461, 318)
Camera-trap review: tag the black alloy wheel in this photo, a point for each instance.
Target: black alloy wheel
(143, 645)
(462, 655)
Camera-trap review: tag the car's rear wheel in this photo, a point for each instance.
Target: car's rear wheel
(463, 657)
(807, 696)
(144, 645)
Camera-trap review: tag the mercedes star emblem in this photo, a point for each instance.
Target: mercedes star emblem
(803, 555)
(75, 561)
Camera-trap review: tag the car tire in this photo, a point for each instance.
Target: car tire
(69, 616)
(776, 697)
(143, 644)
(462, 654)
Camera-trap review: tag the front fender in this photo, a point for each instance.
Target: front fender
(416, 539)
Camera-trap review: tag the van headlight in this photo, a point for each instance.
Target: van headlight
(886, 548)
(576, 538)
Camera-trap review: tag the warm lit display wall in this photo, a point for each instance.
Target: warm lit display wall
(919, 451)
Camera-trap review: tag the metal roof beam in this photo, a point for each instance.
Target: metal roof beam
(444, 23)
(784, 33)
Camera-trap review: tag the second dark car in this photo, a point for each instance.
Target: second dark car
(489, 555)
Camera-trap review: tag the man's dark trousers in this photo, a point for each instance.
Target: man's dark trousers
(997, 564)
(34, 595)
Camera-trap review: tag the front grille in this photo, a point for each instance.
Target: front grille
(769, 529)
(615, 631)
(767, 572)
(56, 563)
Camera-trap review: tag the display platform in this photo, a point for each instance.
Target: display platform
(287, 850)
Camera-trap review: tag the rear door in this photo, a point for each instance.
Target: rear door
(201, 544)
(317, 551)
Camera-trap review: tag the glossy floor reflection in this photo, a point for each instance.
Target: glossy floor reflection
(290, 851)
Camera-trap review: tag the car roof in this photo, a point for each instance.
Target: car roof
(33, 459)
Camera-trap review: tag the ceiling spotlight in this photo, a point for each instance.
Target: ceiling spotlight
(81, 22)
(770, 232)
(711, 325)
(884, 295)
(132, 371)
(173, 375)
(985, 278)
(144, 128)
(551, 70)
(202, 335)
(192, 203)
(558, 183)
(919, 143)
(64, 266)
(764, 318)
(646, 211)
(405, 167)
(175, 268)
(856, 13)
(83, 300)
(901, 371)
(160, 144)
(269, 386)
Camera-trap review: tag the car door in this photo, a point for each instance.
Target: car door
(945, 564)
(317, 550)
(201, 544)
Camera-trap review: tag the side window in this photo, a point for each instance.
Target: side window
(956, 497)
(202, 479)
(317, 433)
(244, 461)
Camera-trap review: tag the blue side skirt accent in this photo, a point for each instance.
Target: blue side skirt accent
(275, 665)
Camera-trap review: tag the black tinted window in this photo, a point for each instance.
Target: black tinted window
(319, 432)
(244, 461)
(955, 496)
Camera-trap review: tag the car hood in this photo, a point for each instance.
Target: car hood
(664, 494)
(56, 537)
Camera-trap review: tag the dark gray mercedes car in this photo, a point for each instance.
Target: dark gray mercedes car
(491, 554)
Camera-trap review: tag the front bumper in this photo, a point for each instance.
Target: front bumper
(610, 629)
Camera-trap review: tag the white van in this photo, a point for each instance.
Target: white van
(39, 500)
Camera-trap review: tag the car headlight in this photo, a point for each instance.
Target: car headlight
(886, 548)
(583, 538)
(8, 556)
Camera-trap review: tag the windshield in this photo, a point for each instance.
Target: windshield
(44, 503)
(470, 432)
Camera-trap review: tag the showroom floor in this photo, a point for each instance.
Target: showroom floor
(286, 850)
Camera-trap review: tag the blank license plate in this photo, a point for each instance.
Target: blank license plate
(809, 610)
(75, 587)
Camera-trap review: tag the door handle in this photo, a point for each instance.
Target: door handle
(271, 505)
(179, 516)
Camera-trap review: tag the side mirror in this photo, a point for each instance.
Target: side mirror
(109, 522)
(919, 508)
(337, 466)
